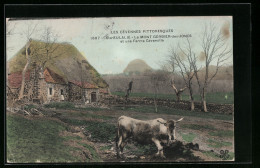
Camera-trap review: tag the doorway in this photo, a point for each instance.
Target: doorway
(93, 97)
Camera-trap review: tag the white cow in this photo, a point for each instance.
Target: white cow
(155, 131)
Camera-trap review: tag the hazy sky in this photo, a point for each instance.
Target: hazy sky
(111, 56)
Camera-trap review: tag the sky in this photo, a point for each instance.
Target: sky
(110, 56)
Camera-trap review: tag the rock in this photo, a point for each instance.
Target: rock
(131, 157)
(86, 155)
(107, 152)
(74, 129)
(142, 157)
(192, 146)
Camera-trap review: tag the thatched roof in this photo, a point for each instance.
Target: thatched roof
(70, 64)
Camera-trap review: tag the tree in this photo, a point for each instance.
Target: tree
(10, 31)
(216, 50)
(183, 59)
(157, 78)
(28, 53)
(43, 52)
(49, 48)
(170, 67)
(84, 76)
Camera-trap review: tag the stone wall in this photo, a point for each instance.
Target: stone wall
(88, 93)
(56, 92)
(74, 92)
(184, 105)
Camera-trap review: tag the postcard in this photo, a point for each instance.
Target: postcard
(119, 89)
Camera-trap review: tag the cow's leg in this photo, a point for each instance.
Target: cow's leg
(122, 146)
(123, 142)
(120, 139)
(119, 142)
(159, 147)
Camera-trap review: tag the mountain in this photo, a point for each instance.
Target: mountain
(137, 66)
(69, 63)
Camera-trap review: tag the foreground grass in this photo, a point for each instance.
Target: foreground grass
(38, 140)
(198, 127)
(101, 131)
(171, 111)
(219, 98)
(141, 109)
(71, 106)
(188, 137)
(86, 114)
(218, 144)
(222, 133)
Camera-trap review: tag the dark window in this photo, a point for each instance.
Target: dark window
(61, 91)
(50, 91)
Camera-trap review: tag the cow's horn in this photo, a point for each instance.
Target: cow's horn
(160, 122)
(180, 119)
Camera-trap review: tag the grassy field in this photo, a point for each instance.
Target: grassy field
(219, 98)
(38, 140)
(172, 111)
(141, 109)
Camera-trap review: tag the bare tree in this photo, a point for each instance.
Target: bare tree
(9, 31)
(42, 52)
(49, 48)
(178, 92)
(84, 77)
(157, 78)
(215, 50)
(28, 32)
(183, 59)
(170, 66)
(9, 28)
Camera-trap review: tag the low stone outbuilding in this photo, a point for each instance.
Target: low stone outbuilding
(78, 90)
(54, 88)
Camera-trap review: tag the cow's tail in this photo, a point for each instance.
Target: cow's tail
(117, 139)
(117, 135)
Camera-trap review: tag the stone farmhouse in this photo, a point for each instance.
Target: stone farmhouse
(44, 86)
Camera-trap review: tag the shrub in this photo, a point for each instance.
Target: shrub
(60, 105)
(29, 107)
(101, 131)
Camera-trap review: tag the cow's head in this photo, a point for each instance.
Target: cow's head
(171, 127)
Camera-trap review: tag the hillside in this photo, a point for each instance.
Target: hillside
(137, 66)
(66, 64)
(224, 73)
(223, 81)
